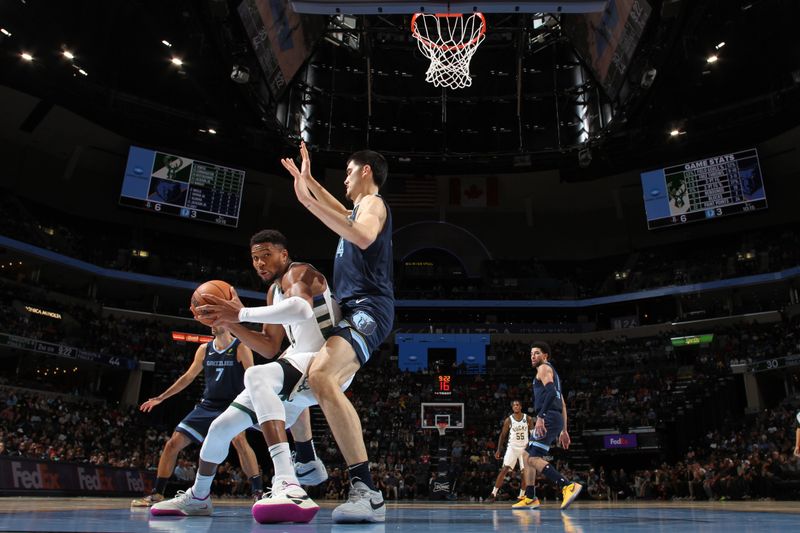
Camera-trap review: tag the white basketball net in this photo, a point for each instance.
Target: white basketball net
(449, 41)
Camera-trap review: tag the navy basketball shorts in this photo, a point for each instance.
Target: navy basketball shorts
(365, 324)
(195, 425)
(539, 445)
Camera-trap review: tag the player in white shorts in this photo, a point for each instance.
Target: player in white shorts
(277, 393)
(517, 428)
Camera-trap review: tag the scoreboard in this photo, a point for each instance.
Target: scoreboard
(708, 188)
(181, 186)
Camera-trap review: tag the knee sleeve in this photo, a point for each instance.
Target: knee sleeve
(264, 382)
(218, 440)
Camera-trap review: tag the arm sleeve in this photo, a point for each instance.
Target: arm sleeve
(288, 311)
(547, 400)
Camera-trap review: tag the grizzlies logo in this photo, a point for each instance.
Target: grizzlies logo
(364, 322)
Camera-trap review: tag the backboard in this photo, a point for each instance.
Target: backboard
(433, 413)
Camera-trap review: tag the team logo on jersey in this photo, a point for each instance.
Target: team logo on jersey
(364, 322)
(340, 248)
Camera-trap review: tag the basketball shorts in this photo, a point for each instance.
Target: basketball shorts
(195, 425)
(365, 324)
(513, 457)
(296, 394)
(539, 445)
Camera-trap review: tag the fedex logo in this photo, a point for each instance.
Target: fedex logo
(33, 477)
(620, 441)
(93, 479)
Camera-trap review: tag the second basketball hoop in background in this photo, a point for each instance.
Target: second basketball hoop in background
(449, 40)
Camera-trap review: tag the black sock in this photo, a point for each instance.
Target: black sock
(360, 472)
(161, 485)
(256, 484)
(530, 492)
(553, 475)
(304, 451)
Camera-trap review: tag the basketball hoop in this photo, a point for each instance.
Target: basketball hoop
(442, 427)
(449, 41)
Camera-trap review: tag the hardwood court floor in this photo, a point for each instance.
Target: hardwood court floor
(233, 516)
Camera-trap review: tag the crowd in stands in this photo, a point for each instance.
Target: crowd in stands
(751, 459)
(756, 251)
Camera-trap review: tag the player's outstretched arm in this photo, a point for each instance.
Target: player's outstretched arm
(362, 232)
(181, 383)
(315, 188)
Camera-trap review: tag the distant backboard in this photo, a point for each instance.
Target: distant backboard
(433, 413)
(399, 7)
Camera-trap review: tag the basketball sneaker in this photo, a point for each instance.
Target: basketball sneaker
(363, 505)
(285, 502)
(527, 503)
(311, 473)
(148, 500)
(183, 504)
(569, 493)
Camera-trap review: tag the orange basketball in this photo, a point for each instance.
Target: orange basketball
(215, 287)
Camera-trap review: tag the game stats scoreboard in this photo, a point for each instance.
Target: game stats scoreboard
(708, 188)
(180, 186)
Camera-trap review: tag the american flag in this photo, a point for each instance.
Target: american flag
(411, 192)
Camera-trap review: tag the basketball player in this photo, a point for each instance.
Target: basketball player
(276, 392)
(551, 426)
(224, 360)
(516, 428)
(362, 279)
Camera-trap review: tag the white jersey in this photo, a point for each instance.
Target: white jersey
(309, 335)
(518, 434)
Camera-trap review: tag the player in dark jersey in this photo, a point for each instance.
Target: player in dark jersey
(224, 361)
(363, 285)
(551, 426)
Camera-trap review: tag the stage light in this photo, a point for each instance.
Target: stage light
(166, 43)
(720, 45)
(177, 61)
(212, 131)
(69, 55)
(5, 32)
(712, 59)
(26, 56)
(82, 72)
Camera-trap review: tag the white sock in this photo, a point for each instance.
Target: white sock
(202, 486)
(494, 491)
(282, 460)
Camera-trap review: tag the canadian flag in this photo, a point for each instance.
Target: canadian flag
(473, 191)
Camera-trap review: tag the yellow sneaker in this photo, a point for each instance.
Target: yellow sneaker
(148, 500)
(569, 493)
(527, 503)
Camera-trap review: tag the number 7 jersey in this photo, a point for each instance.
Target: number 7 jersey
(224, 375)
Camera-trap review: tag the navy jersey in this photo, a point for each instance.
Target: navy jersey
(538, 392)
(357, 272)
(224, 375)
